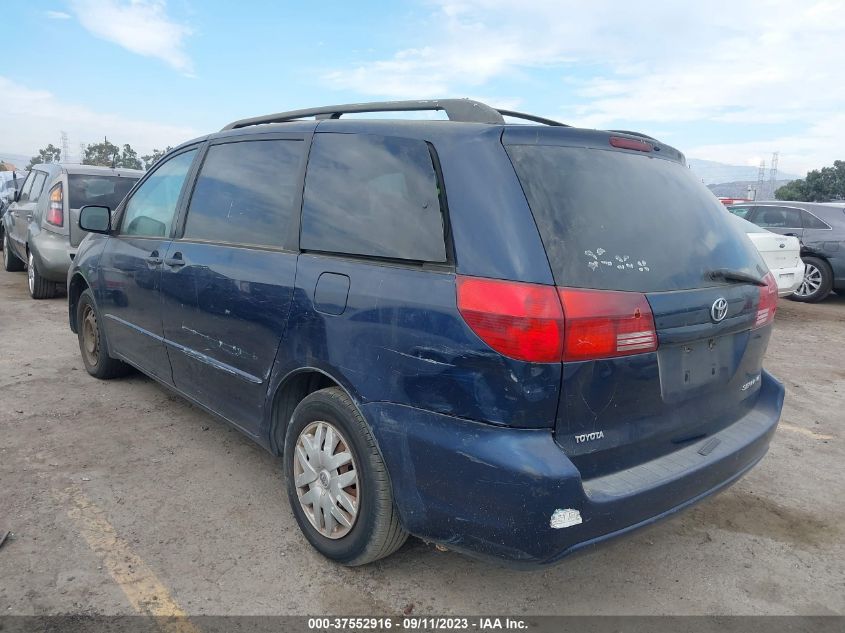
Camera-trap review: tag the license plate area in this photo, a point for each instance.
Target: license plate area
(686, 369)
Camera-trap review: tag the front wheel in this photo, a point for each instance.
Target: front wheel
(818, 281)
(92, 344)
(337, 483)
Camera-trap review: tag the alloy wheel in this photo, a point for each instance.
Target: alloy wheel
(90, 336)
(326, 479)
(812, 281)
(30, 273)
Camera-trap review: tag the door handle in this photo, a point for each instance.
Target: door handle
(175, 261)
(28, 217)
(154, 259)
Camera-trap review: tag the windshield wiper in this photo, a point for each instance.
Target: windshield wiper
(737, 276)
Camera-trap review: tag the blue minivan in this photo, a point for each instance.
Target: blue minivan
(515, 340)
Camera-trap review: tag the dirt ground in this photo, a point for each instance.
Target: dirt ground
(122, 498)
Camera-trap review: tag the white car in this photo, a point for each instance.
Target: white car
(782, 254)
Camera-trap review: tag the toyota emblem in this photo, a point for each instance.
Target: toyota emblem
(719, 310)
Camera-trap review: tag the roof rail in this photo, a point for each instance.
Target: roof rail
(531, 117)
(456, 109)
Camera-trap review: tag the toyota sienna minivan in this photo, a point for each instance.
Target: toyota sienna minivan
(514, 340)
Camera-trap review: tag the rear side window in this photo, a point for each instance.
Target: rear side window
(37, 186)
(778, 218)
(812, 222)
(106, 191)
(613, 220)
(741, 212)
(372, 195)
(245, 193)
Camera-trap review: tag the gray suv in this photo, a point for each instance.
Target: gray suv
(41, 228)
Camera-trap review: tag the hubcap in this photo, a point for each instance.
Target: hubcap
(326, 479)
(30, 273)
(812, 281)
(90, 336)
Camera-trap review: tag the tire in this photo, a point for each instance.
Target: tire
(11, 262)
(818, 281)
(373, 530)
(39, 288)
(92, 344)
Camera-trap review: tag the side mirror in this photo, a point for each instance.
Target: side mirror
(95, 219)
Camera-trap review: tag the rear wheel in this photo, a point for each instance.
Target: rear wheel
(818, 281)
(39, 288)
(337, 482)
(92, 343)
(10, 261)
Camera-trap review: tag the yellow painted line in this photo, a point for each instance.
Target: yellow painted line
(786, 426)
(145, 592)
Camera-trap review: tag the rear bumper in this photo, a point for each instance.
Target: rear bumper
(491, 491)
(52, 253)
(788, 279)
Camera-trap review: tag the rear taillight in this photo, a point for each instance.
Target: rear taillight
(56, 210)
(606, 324)
(543, 324)
(519, 320)
(768, 301)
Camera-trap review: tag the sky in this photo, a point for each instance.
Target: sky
(730, 81)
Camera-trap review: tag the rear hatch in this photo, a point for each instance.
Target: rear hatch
(100, 189)
(637, 221)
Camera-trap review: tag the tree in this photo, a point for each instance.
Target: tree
(151, 159)
(107, 154)
(102, 154)
(49, 154)
(819, 185)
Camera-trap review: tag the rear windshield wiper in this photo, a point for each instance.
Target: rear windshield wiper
(736, 276)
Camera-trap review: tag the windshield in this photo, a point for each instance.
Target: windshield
(102, 190)
(612, 220)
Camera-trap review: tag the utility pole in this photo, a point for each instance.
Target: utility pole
(773, 175)
(65, 149)
(761, 178)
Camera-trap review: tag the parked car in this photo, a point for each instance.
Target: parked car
(41, 229)
(782, 254)
(9, 182)
(514, 340)
(820, 227)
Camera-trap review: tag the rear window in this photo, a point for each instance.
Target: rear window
(614, 220)
(107, 191)
(372, 195)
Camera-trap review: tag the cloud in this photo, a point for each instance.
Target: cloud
(608, 64)
(30, 119)
(57, 15)
(139, 26)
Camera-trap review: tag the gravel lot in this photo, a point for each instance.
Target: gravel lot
(122, 497)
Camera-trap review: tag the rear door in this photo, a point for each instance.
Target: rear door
(130, 266)
(631, 222)
(227, 281)
(779, 219)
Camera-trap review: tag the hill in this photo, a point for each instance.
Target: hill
(712, 173)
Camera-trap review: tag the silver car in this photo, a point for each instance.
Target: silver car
(41, 224)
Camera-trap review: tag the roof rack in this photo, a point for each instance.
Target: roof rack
(456, 109)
